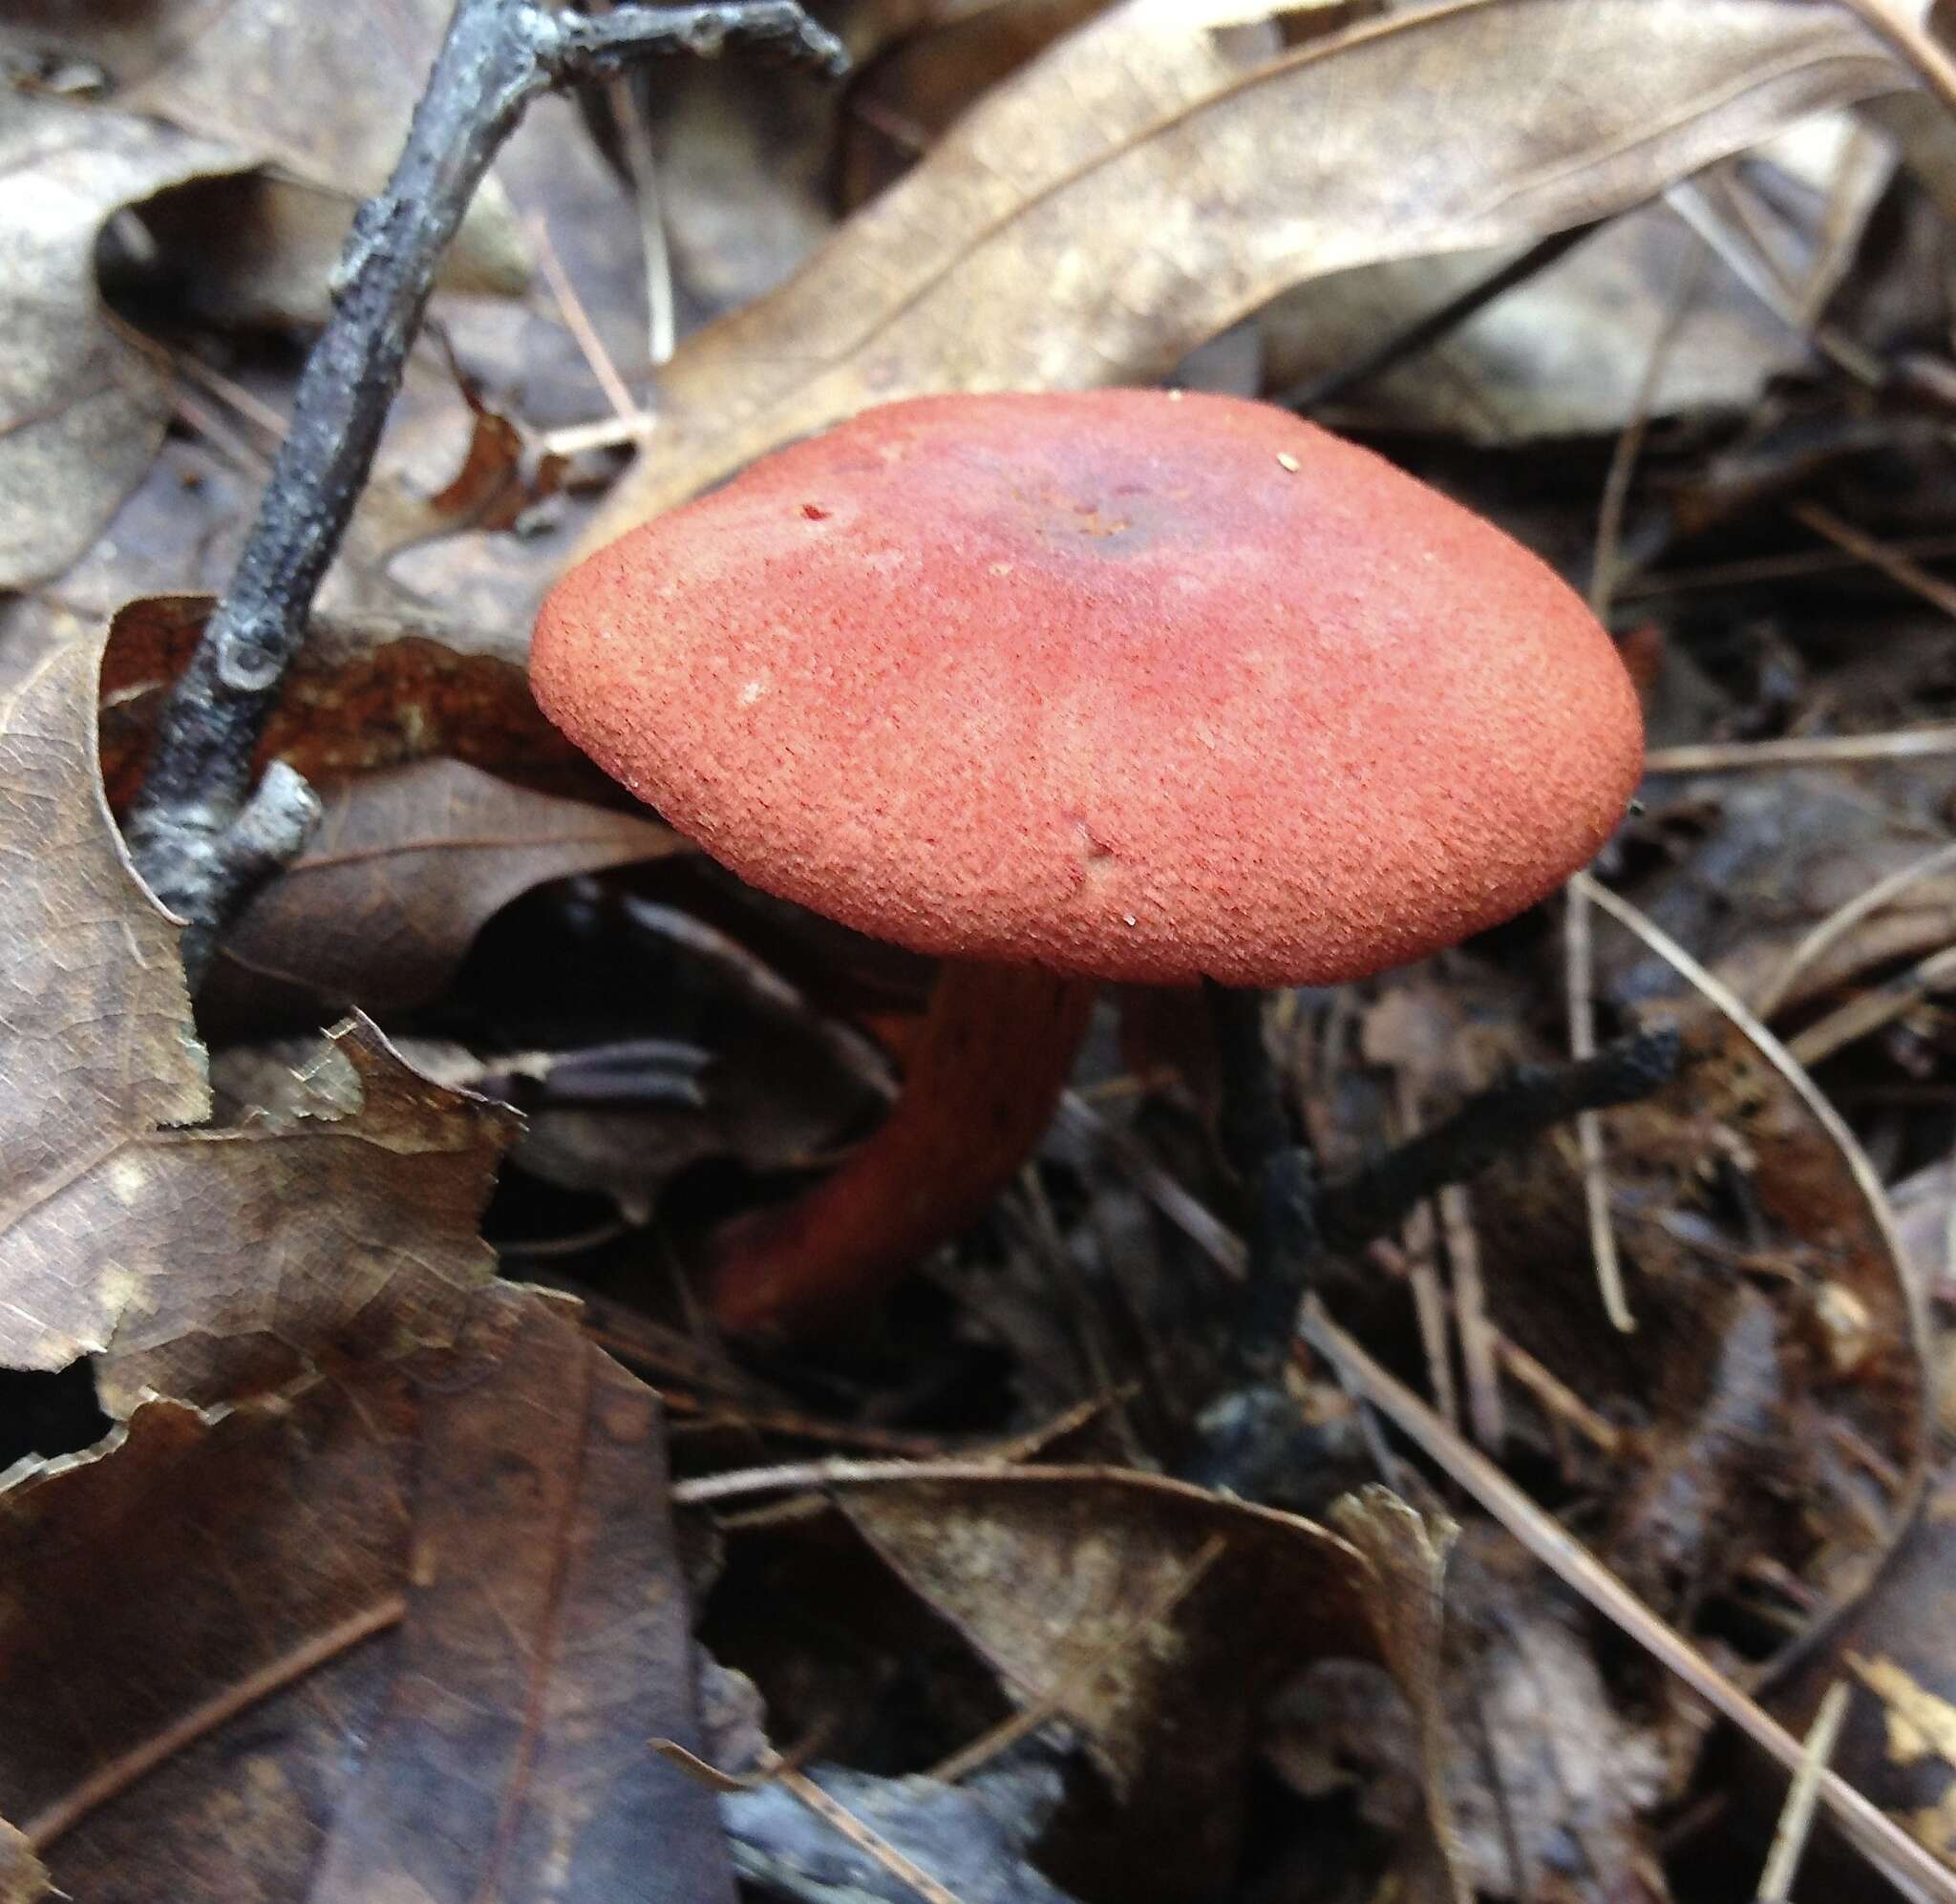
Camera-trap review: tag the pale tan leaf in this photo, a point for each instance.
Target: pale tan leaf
(318, 96)
(82, 408)
(1139, 187)
(23, 1877)
(96, 1021)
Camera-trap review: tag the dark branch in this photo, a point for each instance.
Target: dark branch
(1280, 1177)
(1294, 1218)
(196, 835)
(1489, 1126)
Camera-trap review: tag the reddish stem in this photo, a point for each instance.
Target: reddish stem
(993, 1056)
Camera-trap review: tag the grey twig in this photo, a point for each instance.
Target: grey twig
(198, 835)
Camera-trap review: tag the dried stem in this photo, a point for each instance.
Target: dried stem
(197, 833)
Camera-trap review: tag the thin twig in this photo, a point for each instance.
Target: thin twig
(1629, 443)
(115, 1777)
(1424, 332)
(1477, 1359)
(199, 833)
(1796, 1816)
(1881, 1004)
(1420, 1265)
(1735, 250)
(1895, 566)
(1579, 946)
(635, 142)
(1824, 750)
(1491, 1124)
(840, 1819)
(577, 319)
(1788, 567)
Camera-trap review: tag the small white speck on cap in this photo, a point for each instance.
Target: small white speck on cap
(1127, 918)
(1175, 395)
(1288, 461)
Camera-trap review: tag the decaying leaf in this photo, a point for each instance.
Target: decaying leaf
(402, 871)
(219, 1263)
(1762, 861)
(212, 1264)
(23, 1877)
(82, 407)
(1538, 1753)
(315, 101)
(1147, 1614)
(1141, 185)
(971, 1837)
(403, 1634)
(362, 697)
(97, 1021)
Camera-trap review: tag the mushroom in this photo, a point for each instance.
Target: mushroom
(1065, 688)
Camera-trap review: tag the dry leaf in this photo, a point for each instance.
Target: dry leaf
(208, 1264)
(82, 407)
(1151, 1616)
(98, 1047)
(23, 1877)
(403, 1634)
(1759, 861)
(319, 97)
(212, 1264)
(1744, 1390)
(243, 1258)
(1137, 190)
(403, 870)
(363, 695)
(899, 103)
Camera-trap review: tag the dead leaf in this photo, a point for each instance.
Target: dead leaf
(1088, 1590)
(98, 1047)
(82, 407)
(1758, 862)
(403, 870)
(23, 1877)
(208, 1264)
(1746, 1389)
(364, 694)
(214, 1264)
(899, 103)
(1137, 188)
(318, 97)
(403, 1634)
(1537, 1752)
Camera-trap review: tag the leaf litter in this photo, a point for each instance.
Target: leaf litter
(370, 1588)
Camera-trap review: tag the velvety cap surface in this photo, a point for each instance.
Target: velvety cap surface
(1118, 682)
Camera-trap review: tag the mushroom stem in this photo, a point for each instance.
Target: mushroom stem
(993, 1053)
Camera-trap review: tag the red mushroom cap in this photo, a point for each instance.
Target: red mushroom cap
(1122, 683)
